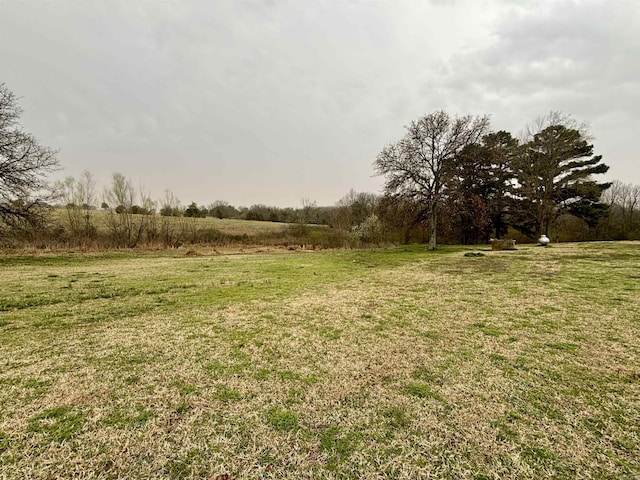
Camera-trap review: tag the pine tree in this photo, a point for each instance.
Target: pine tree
(553, 175)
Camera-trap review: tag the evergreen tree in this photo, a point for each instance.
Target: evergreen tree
(483, 193)
(553, 173)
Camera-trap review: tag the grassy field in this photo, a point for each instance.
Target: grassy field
(395, 363)
(230, 226)
(107, 231)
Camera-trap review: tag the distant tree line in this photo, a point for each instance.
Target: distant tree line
(449, 179)
(259, 212)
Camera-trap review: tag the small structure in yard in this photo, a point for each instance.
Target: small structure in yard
(506, 244)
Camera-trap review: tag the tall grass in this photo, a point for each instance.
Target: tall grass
(103, 230)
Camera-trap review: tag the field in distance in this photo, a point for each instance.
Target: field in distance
(396, 363)
(229, 226)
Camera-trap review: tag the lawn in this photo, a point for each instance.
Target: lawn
(397, 363)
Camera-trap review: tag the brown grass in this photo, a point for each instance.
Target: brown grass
(384, 364)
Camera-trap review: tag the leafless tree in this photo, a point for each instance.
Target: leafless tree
(170, 205)
(78, 197)
(169, 209)
(354, 208)
(127, 222)
(24, 165)
(420, 165)
(308, 206)
(624, 209)
(554, 118)
(631, 202)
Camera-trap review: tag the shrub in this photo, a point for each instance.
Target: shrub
(369, 231)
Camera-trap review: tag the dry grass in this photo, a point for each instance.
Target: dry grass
(228, 226)
(377, 364)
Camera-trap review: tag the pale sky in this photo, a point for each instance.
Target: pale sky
(275, 101)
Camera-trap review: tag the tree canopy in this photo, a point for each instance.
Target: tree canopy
(489, 181)
(554, 175)
(420, 165)
(24, 164)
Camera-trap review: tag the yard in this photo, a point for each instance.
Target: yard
(396, 363)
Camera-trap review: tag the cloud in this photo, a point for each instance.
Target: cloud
(574, 53)
(578, 57)
(255, 101)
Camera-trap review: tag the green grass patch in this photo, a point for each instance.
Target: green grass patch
(226, 394)
(422, 390)
(396, 417)
(4, 441)
(59, 424)
(337, 444)
(283, 420)
(489, 330)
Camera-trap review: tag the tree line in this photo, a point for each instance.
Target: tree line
(449, 179)
(133, 217)
(486, 182)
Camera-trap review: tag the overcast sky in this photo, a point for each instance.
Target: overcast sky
(274, 101)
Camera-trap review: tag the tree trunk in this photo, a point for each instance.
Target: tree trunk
(432, 227)
(540, 222)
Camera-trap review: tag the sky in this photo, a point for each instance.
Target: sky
(273, 102)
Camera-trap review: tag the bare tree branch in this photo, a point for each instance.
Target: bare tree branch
(24, 165)
(420, 165)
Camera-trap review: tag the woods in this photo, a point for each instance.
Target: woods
(485, 183)
(419, 166)
(449, 179)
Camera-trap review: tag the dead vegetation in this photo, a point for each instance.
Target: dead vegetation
(360, 364)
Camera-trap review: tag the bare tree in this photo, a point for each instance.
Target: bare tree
(631, 202)
(146, 218)
(623, 218)
(354, 208)
(78, 197)
(119, 221)
(127, 222)
(420, 165)
(87, 189)
(614, 194)
(308, 206)
(170, 205)
(554, 118)
(24, 164)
